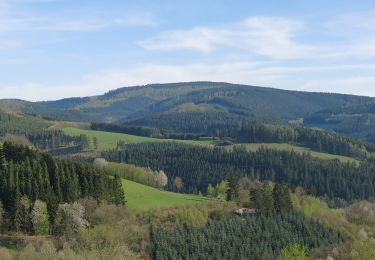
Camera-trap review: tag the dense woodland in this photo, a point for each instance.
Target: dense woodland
(28, 176)
(200, 166)
(255, 237)
(190, 122)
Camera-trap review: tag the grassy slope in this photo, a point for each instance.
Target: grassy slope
(108, 140)
(142, 197)
(299, 149)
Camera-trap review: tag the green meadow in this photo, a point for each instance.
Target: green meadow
(141, 197)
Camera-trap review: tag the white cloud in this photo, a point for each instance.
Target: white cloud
(267, 36)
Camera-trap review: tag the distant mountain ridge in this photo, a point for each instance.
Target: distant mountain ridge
(153, 103)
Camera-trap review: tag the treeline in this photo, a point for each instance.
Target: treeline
(146, 176)
(315, 139)
(259, 236)
(29, 175)
(200, 166)
(143, 131)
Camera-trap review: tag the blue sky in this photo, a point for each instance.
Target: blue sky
(52, 49)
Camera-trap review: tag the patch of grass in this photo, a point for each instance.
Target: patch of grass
(298, 149)
(141, 197)
(108, 140)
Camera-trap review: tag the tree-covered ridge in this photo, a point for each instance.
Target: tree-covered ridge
(28, 173)
(200, 166)
(254, 237)
(125, 104)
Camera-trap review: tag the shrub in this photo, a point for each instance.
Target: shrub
(191, 215)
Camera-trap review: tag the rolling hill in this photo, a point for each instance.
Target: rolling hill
(211, 102)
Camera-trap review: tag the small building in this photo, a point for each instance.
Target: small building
(244, 211)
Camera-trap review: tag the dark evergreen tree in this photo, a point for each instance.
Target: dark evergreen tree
(234, 187)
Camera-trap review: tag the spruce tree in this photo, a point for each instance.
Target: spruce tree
(234, 187)
(119, 196)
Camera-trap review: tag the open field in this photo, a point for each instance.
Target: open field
(298, 149)
(108, 140)
(142, 197)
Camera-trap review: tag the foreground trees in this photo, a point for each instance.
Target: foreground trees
(33, 184)
(254, 237)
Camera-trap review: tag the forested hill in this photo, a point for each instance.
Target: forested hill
(157, 103)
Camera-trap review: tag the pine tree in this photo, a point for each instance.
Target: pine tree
(95, 143)
(119, 196)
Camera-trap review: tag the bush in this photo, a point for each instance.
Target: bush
(70, 219)
(190, 215)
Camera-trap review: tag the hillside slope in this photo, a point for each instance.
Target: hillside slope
(142, 197)
(352, 120)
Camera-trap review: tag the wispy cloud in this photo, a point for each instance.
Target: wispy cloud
(267, 36)
(275, 37)
(12, 20)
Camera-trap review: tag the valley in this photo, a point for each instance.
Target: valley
(181, 168)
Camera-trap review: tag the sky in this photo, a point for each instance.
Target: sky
(52, 49)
